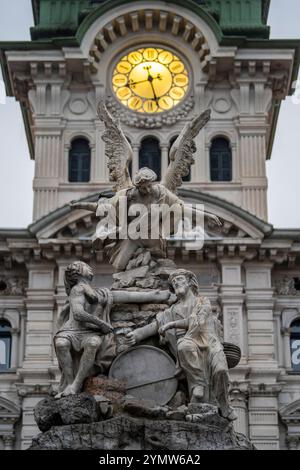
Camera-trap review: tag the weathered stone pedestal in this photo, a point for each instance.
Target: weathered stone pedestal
(195, 427)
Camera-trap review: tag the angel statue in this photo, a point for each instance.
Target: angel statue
(144, 191)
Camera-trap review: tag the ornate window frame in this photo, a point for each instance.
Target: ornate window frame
(12, 316)
(69, 137)
(289, 315)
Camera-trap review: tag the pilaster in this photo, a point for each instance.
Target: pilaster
(40, 310)
(263, 413)
(30, 395)
(232, 300)
(264, 386)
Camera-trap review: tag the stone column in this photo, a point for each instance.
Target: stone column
(22, 336)
(164, 158)
(14, 347)
(135, 161)
(101, 171)
(278, 338)
(286, 332)
(206, 165)
(94, 164)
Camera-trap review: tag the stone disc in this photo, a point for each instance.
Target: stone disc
(149, 373)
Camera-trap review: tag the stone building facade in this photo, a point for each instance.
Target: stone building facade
(249, 269)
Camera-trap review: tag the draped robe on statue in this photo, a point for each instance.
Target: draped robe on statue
(77, 337)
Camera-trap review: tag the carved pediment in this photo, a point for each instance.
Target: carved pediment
(9, 411)
(290, 414)
(79, 224)
(69, 233)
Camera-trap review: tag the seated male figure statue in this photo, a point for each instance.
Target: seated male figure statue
(199, 351)
(84, 343)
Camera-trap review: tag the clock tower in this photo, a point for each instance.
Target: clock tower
(157, 65)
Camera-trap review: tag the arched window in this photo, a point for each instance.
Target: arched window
(80, 161)
(295, 345)
(187, 177)
(150, 155)
(5, 345)
(220, 160)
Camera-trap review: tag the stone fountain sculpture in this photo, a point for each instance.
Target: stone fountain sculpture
(143, 362)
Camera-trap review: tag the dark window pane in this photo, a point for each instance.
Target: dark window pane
(150, 155)
(295, 345)
(5, 345)
(220, 160)
(80, 161)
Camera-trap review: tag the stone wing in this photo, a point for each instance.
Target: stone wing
(181, 153)
(117, 150)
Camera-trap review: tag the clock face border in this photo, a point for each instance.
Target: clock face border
(164, 99)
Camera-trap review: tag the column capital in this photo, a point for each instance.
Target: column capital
(285, 331)
(15, 331)
(164, 145)
(8, 441)
(293, 442)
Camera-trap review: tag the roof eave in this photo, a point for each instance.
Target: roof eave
(265, 10)
(36, 11)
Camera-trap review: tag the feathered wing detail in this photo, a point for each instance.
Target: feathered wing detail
(117, 150)
(181, 153)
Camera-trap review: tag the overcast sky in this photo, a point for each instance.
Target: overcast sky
(16, 168)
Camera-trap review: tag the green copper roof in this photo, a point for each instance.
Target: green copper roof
(62, 17)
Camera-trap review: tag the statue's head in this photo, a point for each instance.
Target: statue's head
(144, 180)
(182, 280)
(76, 271)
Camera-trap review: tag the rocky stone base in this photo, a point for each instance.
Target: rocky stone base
(90, 424)
(128, 433)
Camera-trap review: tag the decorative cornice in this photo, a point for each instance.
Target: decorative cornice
(157, 18)
(26, 389)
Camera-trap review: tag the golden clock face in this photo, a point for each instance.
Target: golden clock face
(150, 80)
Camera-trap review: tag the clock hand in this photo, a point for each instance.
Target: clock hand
(154, 94)
(137, 83)
(144, 81)
(150, 79)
